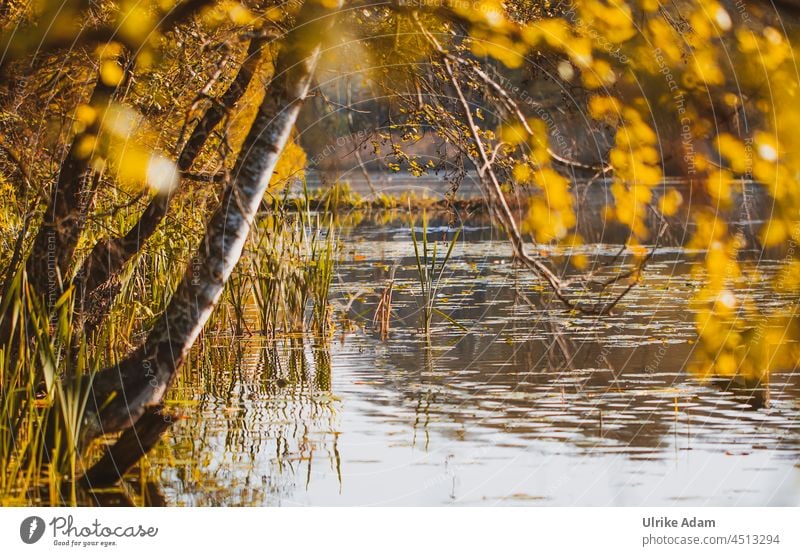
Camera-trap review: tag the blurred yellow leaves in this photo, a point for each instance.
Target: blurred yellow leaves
(550, 216)
(522, 173)
(136, 167)
(55, 21)
(84, 117)
(670, 202)
(768, 48)
(85, 146)
(774, 232)
(719, 186)
(513, 133)
(733, 150)
(231, 11)
(666, 39)
(635, 160)
(605, 108)
(704, 69)
(113, 137)
(111, 73)
(716, 304)
(136, 20)
(486, 13)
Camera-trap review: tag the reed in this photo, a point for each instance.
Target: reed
(292, 270)
(44, 389)
(383, 312)
(319, 271)
(430, 265)
(47, 363)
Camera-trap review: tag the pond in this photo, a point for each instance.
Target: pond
(521, 402)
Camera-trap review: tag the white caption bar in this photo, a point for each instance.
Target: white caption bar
(381, 531)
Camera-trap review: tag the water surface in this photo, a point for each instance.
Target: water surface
(530, 405)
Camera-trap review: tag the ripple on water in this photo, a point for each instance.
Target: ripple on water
(531, 405)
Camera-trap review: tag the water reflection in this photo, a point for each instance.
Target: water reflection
(532, 405)
(260, 415)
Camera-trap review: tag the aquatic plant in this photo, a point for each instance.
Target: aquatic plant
(430, 264)
(319, 273)
(338, 196)
(45, 384)
(291, 268)
(383, 311)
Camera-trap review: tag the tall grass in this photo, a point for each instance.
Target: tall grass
(383, 312)
(431, 264)
(44, 389)
(319, 270)
(291, 269)
(281, 287)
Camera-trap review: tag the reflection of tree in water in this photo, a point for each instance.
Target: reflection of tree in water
(616, 389)
(258, 416)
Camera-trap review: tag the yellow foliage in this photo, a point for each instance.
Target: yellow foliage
(136, 20)
(291, 165)
(522, 173)
(718, 185)
(733, 150)
(670, 202)
(641, 66)
(693, 67)
(513, 133)
(773, 233)
(604, 108)
(85, 146)
(599, 74)
(111, 73)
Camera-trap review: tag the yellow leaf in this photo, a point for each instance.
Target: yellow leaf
(111, 73)
(773, 233)
(670, 202)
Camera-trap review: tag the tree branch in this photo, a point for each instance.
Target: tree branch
(65, 216)
(100, 272)
(123, 393)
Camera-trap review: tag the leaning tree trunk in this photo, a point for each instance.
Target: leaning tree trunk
(65, 216)
(122, 394)
(52, 252)
(98, 279)
(53, 249)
